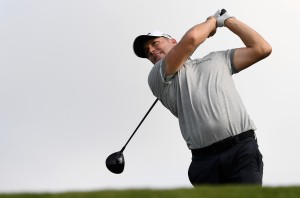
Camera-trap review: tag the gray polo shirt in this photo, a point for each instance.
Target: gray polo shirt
(203, 97)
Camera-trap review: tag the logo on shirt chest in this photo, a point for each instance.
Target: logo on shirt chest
(203, 61)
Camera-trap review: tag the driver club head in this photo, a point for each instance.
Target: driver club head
(115, 162)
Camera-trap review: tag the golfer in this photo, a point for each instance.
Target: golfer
(202, 95)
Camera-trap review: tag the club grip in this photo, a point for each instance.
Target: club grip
(222, 12)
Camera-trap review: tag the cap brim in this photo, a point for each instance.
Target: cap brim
(138, 45)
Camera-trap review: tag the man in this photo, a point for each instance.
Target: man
(202, 95)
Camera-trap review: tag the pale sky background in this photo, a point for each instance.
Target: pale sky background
(72, 92)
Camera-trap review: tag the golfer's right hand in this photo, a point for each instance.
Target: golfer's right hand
(222, 18)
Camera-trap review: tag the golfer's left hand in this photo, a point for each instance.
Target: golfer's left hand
(222, 18)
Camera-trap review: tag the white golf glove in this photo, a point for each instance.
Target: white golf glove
(217, 14)
(222, 18)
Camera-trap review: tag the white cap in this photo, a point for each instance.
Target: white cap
(138, 44)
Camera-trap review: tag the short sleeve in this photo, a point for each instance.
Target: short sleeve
(230, 57)
(165, 78)
(164, 87)
(156, 79)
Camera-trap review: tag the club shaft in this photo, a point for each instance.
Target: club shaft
(139, 125)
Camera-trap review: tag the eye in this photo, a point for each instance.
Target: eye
(155, 43)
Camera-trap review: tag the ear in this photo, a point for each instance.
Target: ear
(174, 42)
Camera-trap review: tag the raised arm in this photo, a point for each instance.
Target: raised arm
(256, 48)
(188, 44)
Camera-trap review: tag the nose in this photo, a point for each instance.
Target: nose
(151, 50)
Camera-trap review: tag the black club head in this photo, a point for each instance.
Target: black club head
(115, 162)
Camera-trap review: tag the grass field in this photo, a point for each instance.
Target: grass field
(200, 192)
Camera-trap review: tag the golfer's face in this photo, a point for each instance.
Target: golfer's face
(158, 48)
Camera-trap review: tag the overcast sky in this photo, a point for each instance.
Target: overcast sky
(72, 92)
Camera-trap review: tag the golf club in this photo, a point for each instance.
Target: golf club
(115, 162)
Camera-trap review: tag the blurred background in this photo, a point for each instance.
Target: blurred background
(72, 92)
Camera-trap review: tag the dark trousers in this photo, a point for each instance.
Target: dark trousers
(239, 164)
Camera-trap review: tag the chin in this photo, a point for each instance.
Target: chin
(158, 59)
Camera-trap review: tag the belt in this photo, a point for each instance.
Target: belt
(223, 144)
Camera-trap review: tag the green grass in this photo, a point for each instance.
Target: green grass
(199, 192)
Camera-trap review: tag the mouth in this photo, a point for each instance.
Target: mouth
(157, 56)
